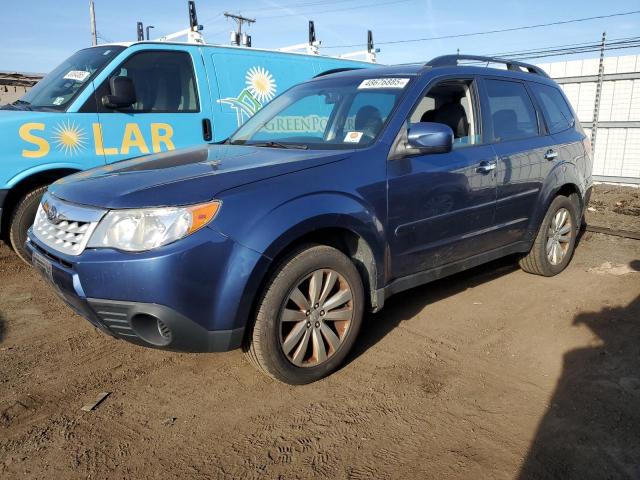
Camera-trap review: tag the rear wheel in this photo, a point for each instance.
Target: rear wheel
(308, 317)
(22, 219)
(553, 247)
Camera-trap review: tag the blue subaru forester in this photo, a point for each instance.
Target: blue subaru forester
(342, 191)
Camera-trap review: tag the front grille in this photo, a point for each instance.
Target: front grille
(65, 227)
(67, 237)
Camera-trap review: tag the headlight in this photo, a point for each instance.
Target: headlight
(149, 228)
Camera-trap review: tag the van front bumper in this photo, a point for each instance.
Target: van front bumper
(183, 297)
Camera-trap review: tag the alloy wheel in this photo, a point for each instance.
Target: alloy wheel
(315, 318)
(559, 236)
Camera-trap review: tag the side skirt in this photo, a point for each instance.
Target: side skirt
(421, 278)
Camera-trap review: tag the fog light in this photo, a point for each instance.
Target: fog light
(151, 329)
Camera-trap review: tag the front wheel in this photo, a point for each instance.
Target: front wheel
(553, 247)
(23, 216)
(308, 317)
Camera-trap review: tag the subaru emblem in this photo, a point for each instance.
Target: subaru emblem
(51, 211)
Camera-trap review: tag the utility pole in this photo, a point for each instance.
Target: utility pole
(596, 105)
(94, 32)
(236, 37)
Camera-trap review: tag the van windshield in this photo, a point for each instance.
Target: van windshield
(58, 88)
(339, 113)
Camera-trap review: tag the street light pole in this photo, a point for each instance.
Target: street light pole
(148, 27)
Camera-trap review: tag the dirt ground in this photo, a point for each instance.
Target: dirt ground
(492, 373)
(615, 207)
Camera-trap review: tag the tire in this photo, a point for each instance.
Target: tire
(271, 344)
(539, 260)
(22, 219)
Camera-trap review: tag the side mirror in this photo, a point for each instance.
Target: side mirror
(123, 93)
(427, 137)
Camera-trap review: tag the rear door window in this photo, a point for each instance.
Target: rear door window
(512, 115)
(556, 111)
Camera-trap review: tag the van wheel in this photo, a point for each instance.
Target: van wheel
(308, 317)
(22, 219)
(553, 247)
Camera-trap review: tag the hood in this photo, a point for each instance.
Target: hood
(183, 177)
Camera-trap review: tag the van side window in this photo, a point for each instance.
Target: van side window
(554, 107)
(511, 112)
(164, 82)
(450, 103)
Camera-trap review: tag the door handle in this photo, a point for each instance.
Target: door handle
(207, 133)
(486, 167)
(551, 154)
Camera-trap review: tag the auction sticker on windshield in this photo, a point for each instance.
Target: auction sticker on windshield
(77, 75)
(383, 83)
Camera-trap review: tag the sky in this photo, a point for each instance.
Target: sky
(36, 35)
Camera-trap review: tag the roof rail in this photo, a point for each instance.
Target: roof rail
(513, 65)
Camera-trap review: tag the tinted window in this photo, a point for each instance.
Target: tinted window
(511, 112)
(164, 83)
(554, 107)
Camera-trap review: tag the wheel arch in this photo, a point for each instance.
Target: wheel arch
(563, 180)
(345, 240)
(26, 184)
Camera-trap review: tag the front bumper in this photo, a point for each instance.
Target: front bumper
(194, 295)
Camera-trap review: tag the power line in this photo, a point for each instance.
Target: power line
(489, 32)
(575, 47)
(632, 42)
(549, 47)
(301, 5)
(621, 44)
(367, 6)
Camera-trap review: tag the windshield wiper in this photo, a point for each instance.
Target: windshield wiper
(19, 105)
(294, 146)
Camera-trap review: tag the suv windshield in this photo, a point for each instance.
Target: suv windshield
(59, 87)
(339, 113)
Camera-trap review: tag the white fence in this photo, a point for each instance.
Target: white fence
(617, 152)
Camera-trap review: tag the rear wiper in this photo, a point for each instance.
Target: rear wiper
(294, 146)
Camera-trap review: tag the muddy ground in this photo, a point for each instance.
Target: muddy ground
(492, 373)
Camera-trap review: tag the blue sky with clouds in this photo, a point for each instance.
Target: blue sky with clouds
(36, 35)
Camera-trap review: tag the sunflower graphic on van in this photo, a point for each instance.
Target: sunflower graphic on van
(260, 88)
(69, 138)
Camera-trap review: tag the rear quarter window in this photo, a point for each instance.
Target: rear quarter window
(555, 109)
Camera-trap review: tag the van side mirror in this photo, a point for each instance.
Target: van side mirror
(428, 137)
(123, 93)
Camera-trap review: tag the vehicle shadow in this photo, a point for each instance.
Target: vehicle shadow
(406, 305)
(2, 328)
(592, 427)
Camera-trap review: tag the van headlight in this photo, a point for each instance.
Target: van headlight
(145, 229)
